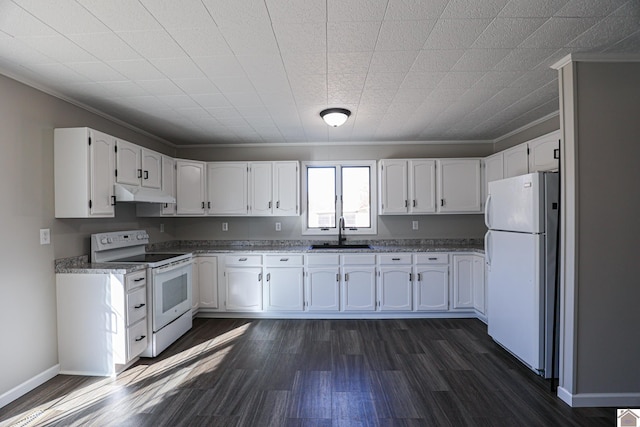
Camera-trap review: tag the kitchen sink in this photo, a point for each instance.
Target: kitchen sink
(343, 246)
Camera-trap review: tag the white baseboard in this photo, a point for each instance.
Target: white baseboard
(590, 400)
(27, 386)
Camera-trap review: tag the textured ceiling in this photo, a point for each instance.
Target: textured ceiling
(252, 71)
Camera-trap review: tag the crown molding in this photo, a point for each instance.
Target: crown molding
(596, 57)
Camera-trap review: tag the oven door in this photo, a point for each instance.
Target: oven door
(171, 293)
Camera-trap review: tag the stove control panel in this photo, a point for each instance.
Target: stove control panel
(118, 239)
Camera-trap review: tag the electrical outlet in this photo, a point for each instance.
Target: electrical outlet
(414, 225)
(225, 226)
(162, 228)
(45, 236)
(278, 226)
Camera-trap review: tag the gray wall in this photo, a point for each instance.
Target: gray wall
(27, 288)
(601, 129)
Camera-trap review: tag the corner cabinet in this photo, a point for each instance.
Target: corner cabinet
(468, 282)
(84, 173)
(459, 186)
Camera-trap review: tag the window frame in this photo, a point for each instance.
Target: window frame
(373, 197)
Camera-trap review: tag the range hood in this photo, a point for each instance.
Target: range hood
(132, 193)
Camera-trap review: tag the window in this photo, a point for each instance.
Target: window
(339, 189)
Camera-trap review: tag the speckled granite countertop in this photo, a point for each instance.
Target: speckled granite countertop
(80, 264)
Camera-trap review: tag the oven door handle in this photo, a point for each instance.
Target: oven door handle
(173, 266)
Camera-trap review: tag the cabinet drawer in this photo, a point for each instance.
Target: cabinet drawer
(136, 339)
(359, 259)
(282, 260)
(324, 259)
(395, 259)
(136, 305)
(432, 258)
(243, 260)
(135, 280)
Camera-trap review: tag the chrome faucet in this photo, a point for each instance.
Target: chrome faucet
(341, 238)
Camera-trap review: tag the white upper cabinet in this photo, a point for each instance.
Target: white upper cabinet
(493, 171)
(84, 173)
(261, 183)
(422, 186)
(516, 161)
(544, 152)
(169, 183)
(394, 187)
(407, 186)
(459, 188)
(190, 187)
(227, 188)
(286, 188)
(138, 166)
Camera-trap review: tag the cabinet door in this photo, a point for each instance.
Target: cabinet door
(128, 163)
(323, 289)
(207, 284)
(244, 288)
(102, 159)
(422, 186)
(542, 152)
(431, 287)
(493, 171)
(283, 290)
(394, 288)
(359, 288)
(286, 188)
(151, 169)
(516, 161)
(393, 187)
(190, 187)
(261, 203)
(463, 273)
(227, 188)
(479, 283)
(459, 186)
(169, 183)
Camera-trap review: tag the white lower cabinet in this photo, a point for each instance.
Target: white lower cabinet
(84, 301)
(205, 282)
(468, 282)
(359, 282)
(322, 289)
(243, 283)
(284, 283)
(431, 282)
(395, 276)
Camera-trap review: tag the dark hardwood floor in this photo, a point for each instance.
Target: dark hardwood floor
(229, 372)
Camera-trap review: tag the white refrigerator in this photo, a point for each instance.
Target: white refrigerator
(522, 216)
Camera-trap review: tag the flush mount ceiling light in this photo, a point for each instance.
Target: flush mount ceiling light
(335, 116)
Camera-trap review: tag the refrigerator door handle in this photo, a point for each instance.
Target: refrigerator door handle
(487, 249)
(486, 212)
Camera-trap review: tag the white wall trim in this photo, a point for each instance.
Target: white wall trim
(591, 400)
(336, 143)
(84, 106)
(527, 126)
(27, 386)
(596, 57)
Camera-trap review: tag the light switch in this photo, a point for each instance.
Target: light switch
(278, 226)
(45, 236)
(414, 225)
